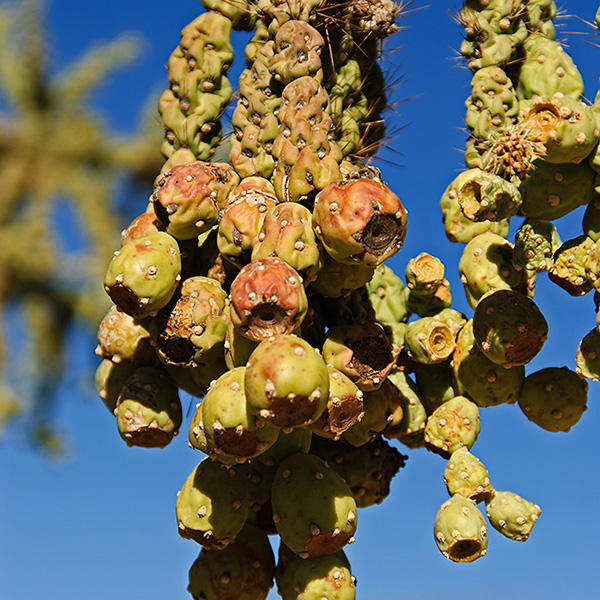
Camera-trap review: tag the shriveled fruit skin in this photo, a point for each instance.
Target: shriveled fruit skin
(554, 398)
(286, 382)
(244, 570)
(326, 520)
(460, 531)
(148, 409)
(143, 275)
(213, 504)
(429, 341)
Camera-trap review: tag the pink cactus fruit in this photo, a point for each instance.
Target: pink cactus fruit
(267, 299)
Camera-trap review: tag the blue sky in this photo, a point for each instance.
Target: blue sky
(102, 525)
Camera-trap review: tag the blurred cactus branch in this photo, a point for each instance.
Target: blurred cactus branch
(56, 154)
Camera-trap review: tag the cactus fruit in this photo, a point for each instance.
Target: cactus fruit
(511, 515)
(327, 576)
(326, 520)
(213, 504)
(360, 220)
(554, 398)
(286, 382)
(148, 408)
(429, 341)
(267, 299)
(191, 331)
(509, 328)
(143, 275)
(244, 570)
(466, 475)
(344, 406)
(452, 425)
(479, 378)
(230, 429)
(588, 356)
(460, 531)
(109, 379)
(362, 352)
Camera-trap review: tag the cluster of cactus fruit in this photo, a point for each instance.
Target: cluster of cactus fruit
(258, 286)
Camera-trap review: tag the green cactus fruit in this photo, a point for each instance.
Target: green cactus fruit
(429, 341)
(395, 333)
(360, 220)
(435, 384)
(326, 520)
(297, 440)
(191, 331)
(148, 410)
(237, 348)
(458, 228)
(213, 504)
(261, 479)
(109, 379)
(230, 429)
(142, 225)
(195, 380)
(565, 126)
(453, 318)
(196, 436)
(353, 308)
(410, 429)
(336, 279)
(428, 305)
(287, 233)
(452, 425)
(267, 298)
(476, 376)
(244, 570)
(509, 328)
(591, 220)
(327, 576)
(572, 261)
(286, 382)
(466, 475)
(511, 515)
(367, 469)
(383, 412)
(143, 275)
(547, 69)
(460, 531)
(554, 190)
(344, 406)
(554, 398)
(124, 339)
(428, 290)
(488, 197)
(187, 198)
(386, 295)
(588, 356)
(242, 219)
(485, 265)
(535, 244)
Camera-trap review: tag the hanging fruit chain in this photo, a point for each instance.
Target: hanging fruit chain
(259, 286)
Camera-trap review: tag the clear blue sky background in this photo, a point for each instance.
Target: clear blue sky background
(102, 525)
